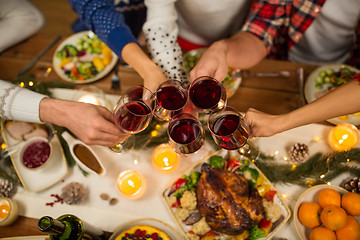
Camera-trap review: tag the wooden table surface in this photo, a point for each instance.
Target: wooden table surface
(271, 95)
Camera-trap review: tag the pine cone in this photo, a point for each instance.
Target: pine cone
(73, 193)
(352, 185)
(299, 152)
(7, 188)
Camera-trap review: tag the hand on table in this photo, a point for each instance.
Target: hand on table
(94, 125)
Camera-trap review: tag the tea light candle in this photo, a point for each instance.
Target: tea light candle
(8, 211)
(88, 98)
(131, 184)
(164, 159)
(343, 137)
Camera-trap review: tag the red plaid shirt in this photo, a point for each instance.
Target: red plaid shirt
(281, 24)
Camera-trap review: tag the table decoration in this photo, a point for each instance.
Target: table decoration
(90, 94)
(343, 137)
(8, 211)
(320, 168)
(131, 184)
(352, 185)
(164, 159)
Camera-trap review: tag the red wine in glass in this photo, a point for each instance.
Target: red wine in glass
(132, 117)
(171, 98)
(229, 131)
(186, 133)
(207, 93)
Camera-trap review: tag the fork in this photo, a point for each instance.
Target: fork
(115, 81)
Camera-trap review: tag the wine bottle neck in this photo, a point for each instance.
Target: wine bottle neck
(51, 226)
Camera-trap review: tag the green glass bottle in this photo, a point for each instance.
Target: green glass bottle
(64, 227)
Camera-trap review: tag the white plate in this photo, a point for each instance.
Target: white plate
(40, 179)
(277, 198)
(72, 40)
(230, 85)
(310, 90)
(311, 195)
(147, 221)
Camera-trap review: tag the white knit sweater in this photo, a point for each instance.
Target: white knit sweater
(20, 104)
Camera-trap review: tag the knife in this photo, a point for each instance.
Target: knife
(37, 57)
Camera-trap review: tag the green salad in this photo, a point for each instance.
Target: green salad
(334, 78)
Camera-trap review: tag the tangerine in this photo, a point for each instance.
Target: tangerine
(321, 233)
(351, 230)
(329, 196)
(309, 214)
(351, 203)
(333, 217)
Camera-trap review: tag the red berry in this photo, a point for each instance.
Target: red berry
(154, 236)
(137, 233)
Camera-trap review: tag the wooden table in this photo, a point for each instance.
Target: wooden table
(271, 95)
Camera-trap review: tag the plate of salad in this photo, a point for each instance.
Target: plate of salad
(325, 79)
(217, 198)
(231, 81)
(83, 58)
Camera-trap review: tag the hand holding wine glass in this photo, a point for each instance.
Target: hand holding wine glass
(230, 131)
(133, 113)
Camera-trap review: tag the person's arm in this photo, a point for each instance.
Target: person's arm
(94, 125)
(109, 25)
(161, 33)
(341, 101)
(241, 51)
(19, 20)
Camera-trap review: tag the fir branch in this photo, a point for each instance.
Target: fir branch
(330, 165)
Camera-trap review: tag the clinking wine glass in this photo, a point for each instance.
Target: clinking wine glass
(186, 134)
(132, 114)
(170, 99)
(229, 131)
(207, 94)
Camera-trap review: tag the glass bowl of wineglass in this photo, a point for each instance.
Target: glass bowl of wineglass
(207, 94)
(186, 134)
(132, 114)
(230, 131)
(170, 99)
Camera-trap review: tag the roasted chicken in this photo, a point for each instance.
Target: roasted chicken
(226, 202)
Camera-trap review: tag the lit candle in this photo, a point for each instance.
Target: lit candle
(343, 137)
(131, 184)
(88, 98)
(8, 211)
(164, 159)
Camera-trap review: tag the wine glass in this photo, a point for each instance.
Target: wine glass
(170, 99)
(132, 114)
(186, 134)
(207, 94)
(229, 131)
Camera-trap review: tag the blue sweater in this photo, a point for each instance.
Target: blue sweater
(115, 24)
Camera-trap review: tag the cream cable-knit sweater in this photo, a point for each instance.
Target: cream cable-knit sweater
(20, 104)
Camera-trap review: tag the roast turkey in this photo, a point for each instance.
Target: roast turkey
(226, 202)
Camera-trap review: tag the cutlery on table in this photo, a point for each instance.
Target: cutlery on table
(247, 73)
(300, 78)
(37, 57)
(115, 81)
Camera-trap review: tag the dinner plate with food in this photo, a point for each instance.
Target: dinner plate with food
(228, 197)
(83, 58)
(231, 81)
(146, 228)
(326, 78)
(38, 159)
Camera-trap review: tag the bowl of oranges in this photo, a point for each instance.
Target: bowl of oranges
(327, 212)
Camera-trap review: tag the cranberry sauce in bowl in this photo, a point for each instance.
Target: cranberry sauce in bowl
(35, 152)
